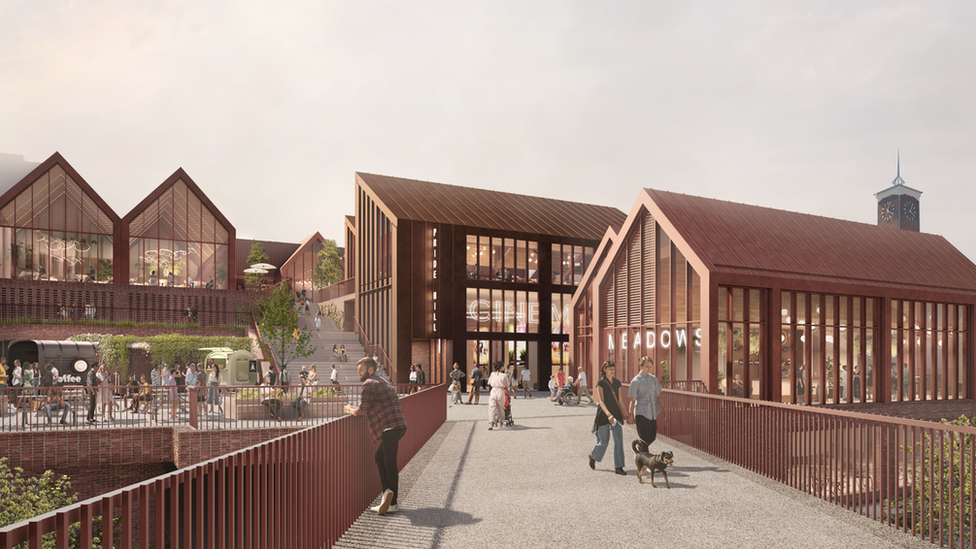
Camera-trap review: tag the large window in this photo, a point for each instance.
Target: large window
(502, 311)
(928, 351)
(177, 241)
(569, 262)
(828, 348)
(501, 259)
(56, 232)
(740, 329)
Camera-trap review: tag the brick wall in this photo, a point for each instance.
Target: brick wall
(928, 410)
(41, 299)
(99, 461)
(60, 332)
(192, 447)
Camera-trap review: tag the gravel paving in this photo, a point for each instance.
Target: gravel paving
(531, 486)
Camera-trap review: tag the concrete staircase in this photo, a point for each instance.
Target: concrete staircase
(323, 359)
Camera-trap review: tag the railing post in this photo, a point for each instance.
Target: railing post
(192, 395)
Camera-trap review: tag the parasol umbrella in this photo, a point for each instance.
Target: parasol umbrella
(265, 266)
(254, 270)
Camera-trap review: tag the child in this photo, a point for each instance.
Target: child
(456, 392)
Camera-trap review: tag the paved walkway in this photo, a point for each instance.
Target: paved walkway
(530, 486)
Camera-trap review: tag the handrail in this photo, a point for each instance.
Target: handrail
(377, 350)
(902, 472)
(285, 492)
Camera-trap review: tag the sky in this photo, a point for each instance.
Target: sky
(271, 107)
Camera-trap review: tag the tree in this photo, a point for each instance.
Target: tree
(940, 488)
(328, 270)
(279, 327)
(257, 255)
(25, 497)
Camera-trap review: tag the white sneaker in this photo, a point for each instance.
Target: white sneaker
(385, 498)
(392, 509)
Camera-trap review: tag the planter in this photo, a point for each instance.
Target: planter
(252, 409)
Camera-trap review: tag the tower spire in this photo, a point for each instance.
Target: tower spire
(898, 180)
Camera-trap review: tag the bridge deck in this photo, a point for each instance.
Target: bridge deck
(530, 486)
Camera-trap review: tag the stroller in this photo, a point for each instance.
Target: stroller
(566, 394)
(509, 422)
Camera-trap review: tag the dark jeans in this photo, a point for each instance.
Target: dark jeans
(646, 430)
(386, 460)
(91, 406)
(274, 406)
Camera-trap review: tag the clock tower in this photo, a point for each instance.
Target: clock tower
(898, 204)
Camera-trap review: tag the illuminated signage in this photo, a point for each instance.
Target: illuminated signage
(483, 310)
(652, 339)
(433, 247)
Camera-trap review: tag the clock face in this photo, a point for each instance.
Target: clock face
(911, 210)
(887, 211)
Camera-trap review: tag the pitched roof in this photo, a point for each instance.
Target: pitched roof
(469, 207)
(56, 159)
(743, 239)
(314, 237)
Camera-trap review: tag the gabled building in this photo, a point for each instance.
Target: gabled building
(777, 305)
(448, 274)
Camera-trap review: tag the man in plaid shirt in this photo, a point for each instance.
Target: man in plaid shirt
(381, 406)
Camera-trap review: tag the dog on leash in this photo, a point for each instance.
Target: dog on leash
(646, 461)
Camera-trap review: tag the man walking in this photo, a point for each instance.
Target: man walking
(645, 403)
(475, 389)
(525, 378)
(379, 403)
(581, 385)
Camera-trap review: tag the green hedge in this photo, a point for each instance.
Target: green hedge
(113, 350)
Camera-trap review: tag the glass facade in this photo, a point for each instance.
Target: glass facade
(928, 351)
(652, 307)
(828, 348)
(505, 297)
(502, 259)
(740, 342)
(301, 269)
(177, 241)
(56, 232)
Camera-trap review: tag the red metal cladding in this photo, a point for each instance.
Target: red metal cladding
(470, 207)
(739, 238)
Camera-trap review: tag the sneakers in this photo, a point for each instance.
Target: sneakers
(385, 499)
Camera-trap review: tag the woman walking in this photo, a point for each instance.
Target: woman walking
(213, 396)
(499, 383)
(610, 418)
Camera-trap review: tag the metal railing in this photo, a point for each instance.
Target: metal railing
(176, 319)
(303, 489)
(690, 385)
(335, 291)
(916, 476)
(235, 407)
(372, 350)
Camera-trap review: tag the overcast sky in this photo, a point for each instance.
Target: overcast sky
(271, 107)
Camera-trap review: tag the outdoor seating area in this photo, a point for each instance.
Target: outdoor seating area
(239, 407)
